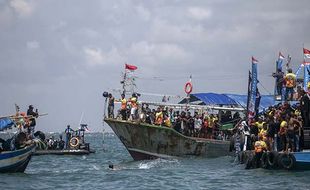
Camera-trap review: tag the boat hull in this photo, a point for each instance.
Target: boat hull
(302, 160)
(15, 161)
(144, 141)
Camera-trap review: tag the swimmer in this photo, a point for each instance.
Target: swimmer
(111, 166)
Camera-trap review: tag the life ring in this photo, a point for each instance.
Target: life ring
(272, 159)
(264, 160)
(287, 161)
(74, 142)
(188, 88)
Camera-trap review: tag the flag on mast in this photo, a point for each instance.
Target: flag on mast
(130, 67)
(306, 53)
(281, 56)
(280, 61)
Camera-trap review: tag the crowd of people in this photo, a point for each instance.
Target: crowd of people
(55, 144)
(279, 128)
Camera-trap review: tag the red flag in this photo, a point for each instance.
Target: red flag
(306, 53)
(254, 60)
(130, 67)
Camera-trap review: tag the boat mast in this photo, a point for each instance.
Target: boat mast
(128, 82)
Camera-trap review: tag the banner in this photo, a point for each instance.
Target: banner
(306, 75)
(252, 97)
(249, 93)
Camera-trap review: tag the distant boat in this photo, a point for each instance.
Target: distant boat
(144, 141)
(17, 160)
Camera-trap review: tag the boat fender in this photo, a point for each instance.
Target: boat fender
(287, 161)
(188, 88)
(272, 159)
(74, 142)
(264, 160)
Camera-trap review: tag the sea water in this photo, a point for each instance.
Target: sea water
(92, 172)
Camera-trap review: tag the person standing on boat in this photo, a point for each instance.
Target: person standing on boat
(260, 147)
(111, 106)
(32, 121)
(68, 135)
(290, 83)
(198, 124)
(159, 117)
(123, 110)
(305, 108)
(134, 107)
(279, 75)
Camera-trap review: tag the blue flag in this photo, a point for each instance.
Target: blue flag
(252, 97)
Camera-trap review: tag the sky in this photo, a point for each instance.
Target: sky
(60, 56)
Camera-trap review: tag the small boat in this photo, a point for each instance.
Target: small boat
(76, 144)
(17, 160)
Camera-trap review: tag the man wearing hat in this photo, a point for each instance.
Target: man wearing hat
(33, 115)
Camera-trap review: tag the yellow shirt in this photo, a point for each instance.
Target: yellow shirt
(167, 122)
(259, 125)
(283, 124)
(158, 118)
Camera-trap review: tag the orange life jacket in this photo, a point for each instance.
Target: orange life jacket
(134, 102)
(259, 146)
(290, 80)
(123, 104)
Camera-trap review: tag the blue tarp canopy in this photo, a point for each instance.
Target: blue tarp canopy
(228, 100)
(5, 123)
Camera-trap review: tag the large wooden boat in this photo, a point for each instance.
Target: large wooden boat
(144, 141)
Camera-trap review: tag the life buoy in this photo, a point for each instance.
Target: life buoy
(74, 142)
(188, 88)
(287, 161)
(264, 160)
(272, 159)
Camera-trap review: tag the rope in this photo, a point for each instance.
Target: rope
(265, 89)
